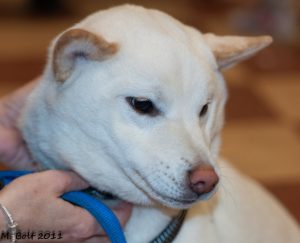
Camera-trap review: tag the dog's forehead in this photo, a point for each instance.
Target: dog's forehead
(155, 45)
(138, 29)
(127, 20)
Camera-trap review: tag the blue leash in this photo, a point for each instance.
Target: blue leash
(100, 211)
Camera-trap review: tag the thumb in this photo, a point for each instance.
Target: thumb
(64, 181)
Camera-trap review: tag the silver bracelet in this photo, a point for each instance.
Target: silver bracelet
(12, 225)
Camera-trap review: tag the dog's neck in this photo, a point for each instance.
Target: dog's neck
(146, 223)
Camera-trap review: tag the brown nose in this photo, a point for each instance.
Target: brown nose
(203, 179)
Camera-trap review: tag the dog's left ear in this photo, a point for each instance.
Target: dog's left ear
(78, 43)
(229, 50)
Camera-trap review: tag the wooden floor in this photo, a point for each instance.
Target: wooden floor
(262, 133)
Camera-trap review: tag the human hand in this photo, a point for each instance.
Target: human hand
(35, 204)
(13, 151)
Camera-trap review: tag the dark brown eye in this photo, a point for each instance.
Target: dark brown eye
(143, 106)
(204, 110)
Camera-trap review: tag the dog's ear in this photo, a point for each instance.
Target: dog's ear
(229, 50)
(78, 43)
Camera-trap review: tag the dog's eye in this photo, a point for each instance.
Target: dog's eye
(204, 110)
(143, 106)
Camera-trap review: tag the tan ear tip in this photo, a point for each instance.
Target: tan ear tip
(266, 40)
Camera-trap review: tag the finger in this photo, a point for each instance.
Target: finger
(8, 140)
(87, 226)
(20, 95)
(64, 181)
(14, 102)
(123, 212)
(13, 150)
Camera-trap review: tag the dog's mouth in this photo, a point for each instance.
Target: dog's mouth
(179, 202)
(112, 200)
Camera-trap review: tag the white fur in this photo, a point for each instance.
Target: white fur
(85, 124)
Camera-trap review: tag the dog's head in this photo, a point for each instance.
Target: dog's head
(133, 101)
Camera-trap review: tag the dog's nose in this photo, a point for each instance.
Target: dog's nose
(202, 179)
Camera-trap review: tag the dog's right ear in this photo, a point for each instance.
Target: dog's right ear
(78, 43)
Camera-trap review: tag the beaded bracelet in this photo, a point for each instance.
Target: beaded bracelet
(12, 225)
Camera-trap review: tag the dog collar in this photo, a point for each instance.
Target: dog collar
(172, 229)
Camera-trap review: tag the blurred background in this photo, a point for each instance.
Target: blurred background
(262, 132)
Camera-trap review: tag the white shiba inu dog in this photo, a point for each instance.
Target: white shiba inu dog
(133, 100)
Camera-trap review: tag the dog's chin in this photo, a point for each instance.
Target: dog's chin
(176, 203)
